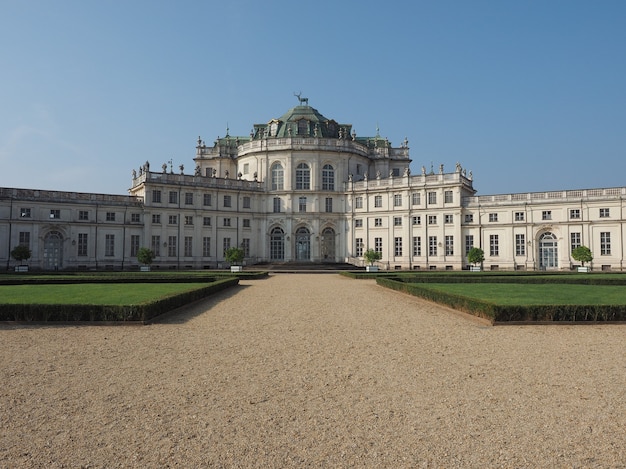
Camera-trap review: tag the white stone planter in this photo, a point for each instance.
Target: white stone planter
(371, 268)
(475, 268)
(583, 269)
(21, 268)
(144, 268)
(236, 268)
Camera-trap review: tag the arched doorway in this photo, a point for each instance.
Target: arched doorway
(303, 244)
(328, 245)
(548, 251)
(53, 251)
(277, 244)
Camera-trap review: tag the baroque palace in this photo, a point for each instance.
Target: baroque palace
(302, 188)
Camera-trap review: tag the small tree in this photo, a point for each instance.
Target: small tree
(582, 254)
(21, 252)
(475, 255)
(234, 255)
(372, 256)
(145, 256)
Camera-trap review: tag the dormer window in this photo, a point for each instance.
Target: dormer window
(273, 129)
(303, 127)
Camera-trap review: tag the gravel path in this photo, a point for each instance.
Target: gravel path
(313, 370)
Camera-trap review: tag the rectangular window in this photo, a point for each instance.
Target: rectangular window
(156, 246)
(416, 198)
(55, 214)
(135, 217)
(358, 223)
(417, 246)
(246, 168)
(397, 221)
(25, 213)
(188, 220)
(276, 204)
(206, 247)
(469, 218)
(188, 247)
(225, 244)
(246, 202)
(134, 245)
(378, 222)
(329, 204)
(359, 247)
(210, 172)
(110, 216)
(227, 201)
(604, 213)
(109, 245)
(188, 198)
(574, 214)
(359, 169)
(469, 243)
(432, 219)
(432, 198)
(378, 201)
(156, 196)
(448, 197)
(449, 245)
(156, 218)
(494, 246)
(520, 244)
(432, 245)
(302, 204)
(358, 202)
(493, 217)
(575, 241)
(83, 215)
(226, 221)
(171, 246)
(416, 220)
(395, 172)
(378, 245)
(605, 243)
(448, 219)
(397, 200)
(172, 220)
(24, 238)
(83, 246)
(519, 216)
(206, 199)
(206, 221)
(246, 223)
(245, 245)
(397, 242)
(173, 197)
(546, 215)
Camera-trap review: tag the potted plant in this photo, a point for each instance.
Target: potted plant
(582, 254)
(370, 256)
(145, 256)
(234, 256)
(475, 256)
(20, 253)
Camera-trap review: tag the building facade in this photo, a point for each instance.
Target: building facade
(302, 188)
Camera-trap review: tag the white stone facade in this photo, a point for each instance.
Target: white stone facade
(305, 189)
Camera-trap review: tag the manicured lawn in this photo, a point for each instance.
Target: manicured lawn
(533, 294)
(92, 293)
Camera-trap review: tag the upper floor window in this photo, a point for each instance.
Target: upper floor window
(432, 219)
(397, 200)
(278, 177)
(302, 204)
(156, 196)
(246, 202)
(519, 216)
(83, 215)
(206, 199)
(417, 220)
(358, 202)
(604, 213)
(574, 213)
(188, 220)
(469, 218)
(188, 198)
(493, 217)
(156, 218)
(378, 201)
(546, 215)
(397, 221)
(303, 177)
(448, 197)
(448, 218)
(135, 217)
(55, 213)
(226, 221)
(329, 204)
(416, 198)
(110, 216)
(328, 178)
(227, 201)
(25, 213)
(378, 222)
(173, 197)
(432, 197)
(172, 219)
(303, 127)
(276, 204)
(358, 223)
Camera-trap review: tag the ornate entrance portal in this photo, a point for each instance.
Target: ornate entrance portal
(303, 244)
(53, 251)
(548, 251)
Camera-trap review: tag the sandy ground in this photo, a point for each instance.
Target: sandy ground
(313, 370)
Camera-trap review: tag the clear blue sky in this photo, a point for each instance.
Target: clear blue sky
(529, 95)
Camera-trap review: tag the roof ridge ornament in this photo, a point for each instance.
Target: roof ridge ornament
(301, 99)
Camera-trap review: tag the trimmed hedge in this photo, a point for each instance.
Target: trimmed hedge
(511, 313)
(84, 312)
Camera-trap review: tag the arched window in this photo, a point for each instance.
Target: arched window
(548, 251)
(277, 177)
(303, 177)
(328, 245)
(277, 244)
(328, 178)
(303, 244)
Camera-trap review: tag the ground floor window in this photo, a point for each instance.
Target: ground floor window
(520, 244)
(397, 246)
(417, 246)
(277, 245)
(605, 243)
(548, 251)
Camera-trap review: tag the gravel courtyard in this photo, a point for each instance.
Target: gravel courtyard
(313, 370)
